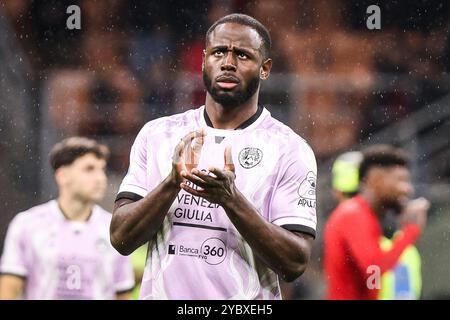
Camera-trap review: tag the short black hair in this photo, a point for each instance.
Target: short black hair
(382, 155)
(70, 149)
(251, 22)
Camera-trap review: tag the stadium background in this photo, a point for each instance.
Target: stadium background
(336, 83)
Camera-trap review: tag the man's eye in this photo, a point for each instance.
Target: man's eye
(242, 55)
(218, 53)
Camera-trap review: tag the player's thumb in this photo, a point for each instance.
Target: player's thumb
(229, 165)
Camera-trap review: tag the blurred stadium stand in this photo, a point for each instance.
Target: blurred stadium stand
(19, 159)
(334, 82)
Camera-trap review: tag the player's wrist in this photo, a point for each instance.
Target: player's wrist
(172, 181)
(234, 202)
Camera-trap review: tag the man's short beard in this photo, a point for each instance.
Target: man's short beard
(231, 99)
(395, 206)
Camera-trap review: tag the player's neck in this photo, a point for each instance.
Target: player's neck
(377, 207)
(230, 118)
(74, 209)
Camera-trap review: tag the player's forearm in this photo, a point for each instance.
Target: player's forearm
(390, 258)
(11, 287)
(135, 223)
(281, 250)
(367, 252)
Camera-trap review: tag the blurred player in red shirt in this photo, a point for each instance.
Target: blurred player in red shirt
(354, 261)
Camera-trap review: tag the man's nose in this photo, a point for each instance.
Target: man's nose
(229, 62)
(409, 189)
(101, 176)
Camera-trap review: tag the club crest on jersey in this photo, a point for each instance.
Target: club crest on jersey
(307, 191)
(250, 157)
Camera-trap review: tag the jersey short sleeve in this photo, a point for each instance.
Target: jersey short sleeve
(293, 203)
(14, 257)
(134, 184)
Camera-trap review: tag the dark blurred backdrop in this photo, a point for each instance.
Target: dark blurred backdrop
(336, 83)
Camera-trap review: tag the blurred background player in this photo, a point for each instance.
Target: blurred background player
(354, 238)
(404, 281)
(61, 249)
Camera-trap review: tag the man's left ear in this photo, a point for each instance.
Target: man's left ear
(264, 71)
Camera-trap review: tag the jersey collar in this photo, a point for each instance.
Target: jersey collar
(250, 123)
(58, 211)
